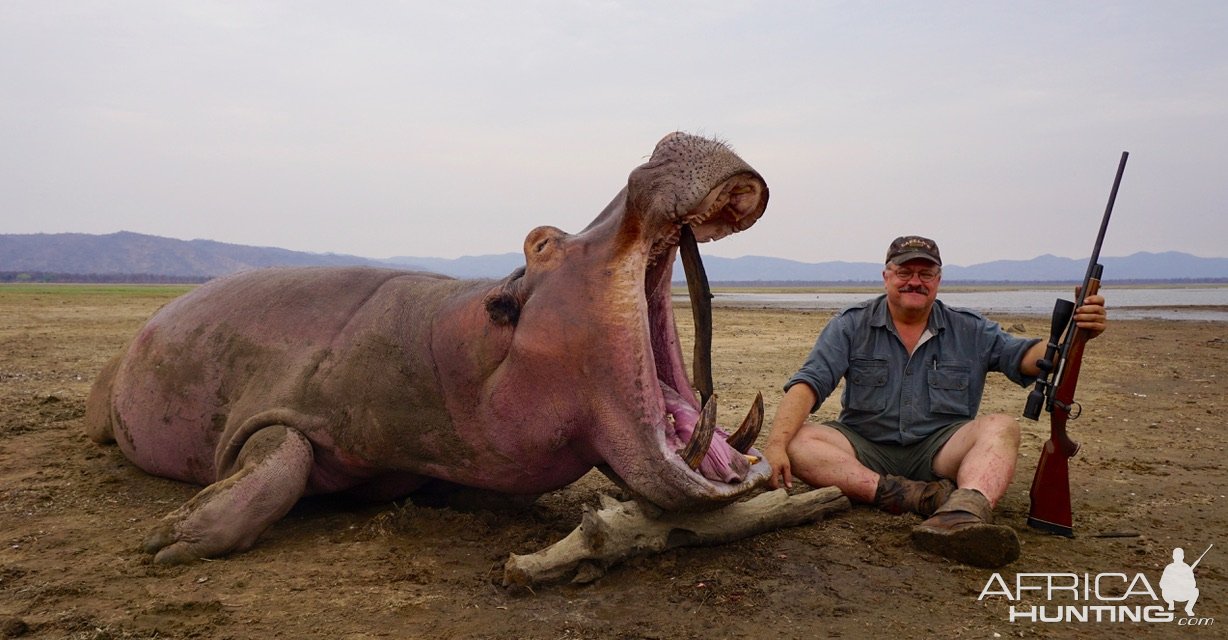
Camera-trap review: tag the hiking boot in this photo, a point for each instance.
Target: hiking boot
(962, 529)
(897, 494)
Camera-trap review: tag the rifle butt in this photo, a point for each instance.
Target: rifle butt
(1050, 494)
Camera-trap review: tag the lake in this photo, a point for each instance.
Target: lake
(1208, 303)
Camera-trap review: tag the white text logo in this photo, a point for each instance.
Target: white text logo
(1101, 597)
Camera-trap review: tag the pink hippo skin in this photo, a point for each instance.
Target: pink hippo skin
(274, 384)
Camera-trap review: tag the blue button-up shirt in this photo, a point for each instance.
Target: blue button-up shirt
(892, 397)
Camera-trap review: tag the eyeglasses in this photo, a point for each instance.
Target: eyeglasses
(926, 275)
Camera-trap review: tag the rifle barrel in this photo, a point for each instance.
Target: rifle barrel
(1104, 225)
(1094, 268)
(1200, 557)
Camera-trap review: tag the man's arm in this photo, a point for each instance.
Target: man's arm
(805, 391)
(790, 415)
(1091, 316)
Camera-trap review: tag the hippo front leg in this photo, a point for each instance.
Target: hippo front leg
(228, 515)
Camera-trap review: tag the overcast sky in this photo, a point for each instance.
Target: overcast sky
(454, 128)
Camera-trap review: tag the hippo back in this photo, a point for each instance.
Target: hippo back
(302, 342)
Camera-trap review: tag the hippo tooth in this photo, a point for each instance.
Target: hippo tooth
(695, 450)
(744, 437)
(701, 309)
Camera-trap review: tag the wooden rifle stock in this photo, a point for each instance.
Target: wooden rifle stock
(1050, 492)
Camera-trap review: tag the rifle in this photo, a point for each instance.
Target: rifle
(1055, 390)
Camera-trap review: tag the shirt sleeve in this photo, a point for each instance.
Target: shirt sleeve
(1006, 353)
(827, 362)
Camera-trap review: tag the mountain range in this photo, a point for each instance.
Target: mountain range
(127, 256)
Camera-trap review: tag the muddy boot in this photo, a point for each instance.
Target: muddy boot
(897, 494)
(963, 530)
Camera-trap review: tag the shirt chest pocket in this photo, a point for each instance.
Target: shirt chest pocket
(867, 384)
(949, 389)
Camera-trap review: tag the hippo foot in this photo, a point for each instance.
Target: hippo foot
(230, 514)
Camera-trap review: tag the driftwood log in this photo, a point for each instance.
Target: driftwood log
(621, 530)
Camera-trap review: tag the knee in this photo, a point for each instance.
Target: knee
(815, 439)
(801, 446)
(1003, 428)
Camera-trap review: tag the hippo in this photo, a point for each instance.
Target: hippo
(274, 384)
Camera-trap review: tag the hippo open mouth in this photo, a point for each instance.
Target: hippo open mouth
(690, 403)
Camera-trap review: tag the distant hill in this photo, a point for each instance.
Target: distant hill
(488, 266)
(127, 256)
(1168, 266)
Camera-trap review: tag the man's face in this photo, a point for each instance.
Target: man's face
(913, 293)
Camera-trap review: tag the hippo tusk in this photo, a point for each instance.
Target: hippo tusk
(744, 437)
(695, 450)
(701, 310)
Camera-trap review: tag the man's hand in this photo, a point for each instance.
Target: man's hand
(782, 474)
(790, 415)
(1092, 315)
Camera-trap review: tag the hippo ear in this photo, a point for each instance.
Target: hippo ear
(503, 302)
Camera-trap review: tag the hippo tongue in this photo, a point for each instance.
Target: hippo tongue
(714, 458)
(701, 310)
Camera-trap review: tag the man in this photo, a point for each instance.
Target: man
(1177, 583)
(908, 437)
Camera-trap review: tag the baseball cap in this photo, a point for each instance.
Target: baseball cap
(905, 248)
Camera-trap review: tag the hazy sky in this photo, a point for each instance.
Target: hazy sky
(454, 128)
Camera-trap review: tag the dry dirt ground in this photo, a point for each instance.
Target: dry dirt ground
(1150, 478)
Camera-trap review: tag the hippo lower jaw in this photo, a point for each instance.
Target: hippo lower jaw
(697, 464)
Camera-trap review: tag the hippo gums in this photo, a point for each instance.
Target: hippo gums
(275, 384)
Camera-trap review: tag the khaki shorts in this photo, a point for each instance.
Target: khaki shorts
(915, 461)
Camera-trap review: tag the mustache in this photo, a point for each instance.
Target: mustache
(922, 290)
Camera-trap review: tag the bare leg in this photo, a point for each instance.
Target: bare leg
(982, 455)
(228, 515)
(822, 457)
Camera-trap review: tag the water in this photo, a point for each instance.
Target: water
(1176, 303)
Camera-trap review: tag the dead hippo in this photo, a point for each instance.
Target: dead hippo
(275, 384)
